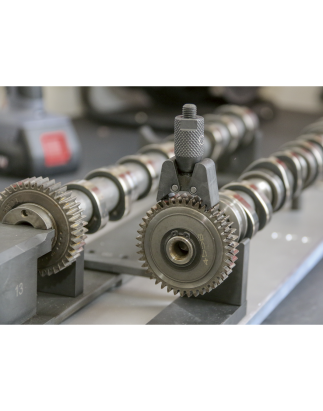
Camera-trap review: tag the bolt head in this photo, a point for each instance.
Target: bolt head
(174, 187)
(193, 190)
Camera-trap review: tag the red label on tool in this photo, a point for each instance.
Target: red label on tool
(55, 147)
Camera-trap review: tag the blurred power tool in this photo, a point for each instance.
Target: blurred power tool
(33, 141)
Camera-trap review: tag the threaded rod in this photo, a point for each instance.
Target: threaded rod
(189, 111)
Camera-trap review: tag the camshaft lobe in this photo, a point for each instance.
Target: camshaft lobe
(271, 183)
(108, 193)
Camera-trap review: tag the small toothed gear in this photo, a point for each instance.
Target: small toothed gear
(65, 214)
(186, 248)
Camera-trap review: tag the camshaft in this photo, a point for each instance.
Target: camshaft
(108, 193)
(188, 241)
(269, 184)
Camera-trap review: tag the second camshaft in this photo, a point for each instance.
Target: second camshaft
(108, 193)
(188, 241)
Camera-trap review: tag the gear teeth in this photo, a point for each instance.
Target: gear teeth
(68, 205)
(73, 210)
(221, 222)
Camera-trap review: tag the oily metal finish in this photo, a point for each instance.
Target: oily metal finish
(64, 211)
(247, 116)
(218, 135)
(315, 138)
(310, 167)
(29, 214)
(231, 205)
(274, 182)
(99, 198)
(179, 249)
(151, 170)
(263, 206)
(210, 234)
(278, 167)
(166, 149)
(296, 166)
(121, 176)
(315, 151)
(233, 127)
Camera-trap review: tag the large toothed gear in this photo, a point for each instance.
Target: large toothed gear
(63, 212)
(186, 248)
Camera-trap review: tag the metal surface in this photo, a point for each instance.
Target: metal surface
(68, 282)
(280, 169)
(29, 214)
(102, 195)
(292, 238)
(296, 243)
(262, 204)
(188, 138)
(203, 177)
(20, 247)
(304, 304)
(233, 208)
(283, 128)
(134, 302)
(64, 212)
(210, 235)
(247, 116)
(53, 309)
(224, 305)
(275, 183)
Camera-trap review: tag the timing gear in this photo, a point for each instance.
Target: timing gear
(185, 247)
(47, 205)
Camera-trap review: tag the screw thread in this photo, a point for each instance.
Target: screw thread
(189, 111)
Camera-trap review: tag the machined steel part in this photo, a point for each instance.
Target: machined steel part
(268, 184)
(166, 239)
(186, 248)
(224, 131)
(246, 116)
(108, 193)
(44, 204)
(188, 138)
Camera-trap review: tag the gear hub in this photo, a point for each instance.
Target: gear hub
(42, 203)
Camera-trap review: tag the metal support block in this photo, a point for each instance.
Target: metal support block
(20, 247)
(224, 305)
(68, 282)
(203, 180)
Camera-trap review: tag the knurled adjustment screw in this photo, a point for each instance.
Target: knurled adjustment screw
(188, 138)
